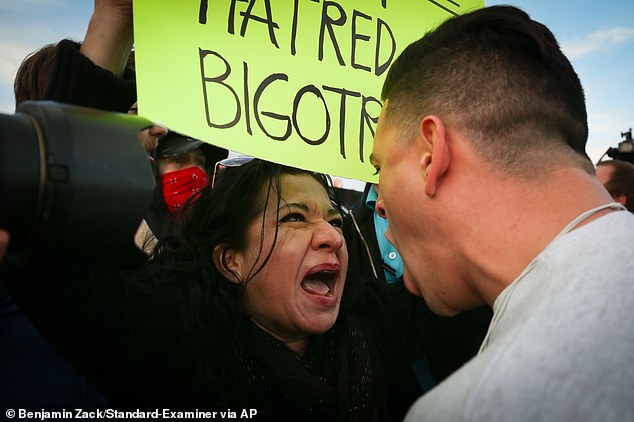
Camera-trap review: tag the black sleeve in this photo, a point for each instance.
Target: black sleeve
(446, 342)
(411, 330)
(81, 315)
(120, 337)
(77, 80)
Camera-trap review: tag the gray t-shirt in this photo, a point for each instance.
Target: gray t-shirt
(562, 348)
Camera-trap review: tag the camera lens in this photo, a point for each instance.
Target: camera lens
(72, 178)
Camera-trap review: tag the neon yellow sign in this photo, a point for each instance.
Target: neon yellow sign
(295, 82)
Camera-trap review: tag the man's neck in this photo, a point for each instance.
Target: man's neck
(502, 246)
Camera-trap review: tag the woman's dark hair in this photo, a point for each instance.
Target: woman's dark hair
(182, 264)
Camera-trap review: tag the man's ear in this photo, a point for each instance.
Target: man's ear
(228, 262)
(435, 159)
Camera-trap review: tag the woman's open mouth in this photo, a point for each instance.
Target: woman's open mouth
(321, 280)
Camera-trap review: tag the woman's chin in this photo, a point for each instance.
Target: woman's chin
(320, 322)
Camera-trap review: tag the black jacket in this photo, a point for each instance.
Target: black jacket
(132, 338)
(364, 256)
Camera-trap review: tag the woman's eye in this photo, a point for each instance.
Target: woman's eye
(337, 223)
(293, 217)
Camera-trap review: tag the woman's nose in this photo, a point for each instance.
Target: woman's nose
(327, 236)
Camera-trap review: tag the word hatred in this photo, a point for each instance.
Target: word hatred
(332, 15)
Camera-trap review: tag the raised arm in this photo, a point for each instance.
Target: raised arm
(93, 73)
(109, 36)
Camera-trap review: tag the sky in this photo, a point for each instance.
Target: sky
(597, 37)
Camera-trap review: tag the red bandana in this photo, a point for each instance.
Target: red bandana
(179, 185)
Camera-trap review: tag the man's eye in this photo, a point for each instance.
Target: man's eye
(377, 170)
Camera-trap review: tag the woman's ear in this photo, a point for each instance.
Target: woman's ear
(227, 262)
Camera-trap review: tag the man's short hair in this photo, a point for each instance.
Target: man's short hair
(621, 180)
(500, 78)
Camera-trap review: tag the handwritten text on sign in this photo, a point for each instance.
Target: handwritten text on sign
(291, 81)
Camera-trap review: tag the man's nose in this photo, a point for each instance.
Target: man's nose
(379, 207)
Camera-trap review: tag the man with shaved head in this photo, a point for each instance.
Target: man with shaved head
(491, 199)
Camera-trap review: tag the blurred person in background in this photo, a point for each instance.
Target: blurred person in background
(618, 178)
